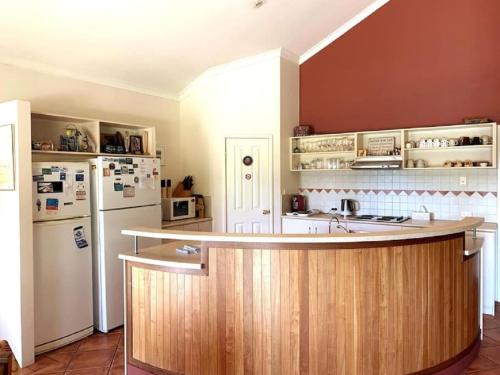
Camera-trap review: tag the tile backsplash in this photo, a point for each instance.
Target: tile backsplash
(402, 191)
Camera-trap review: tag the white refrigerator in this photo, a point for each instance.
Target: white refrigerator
(125, 194)
(62, 254)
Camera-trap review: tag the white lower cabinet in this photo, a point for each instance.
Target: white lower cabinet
(304, 226)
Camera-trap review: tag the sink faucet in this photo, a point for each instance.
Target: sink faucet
(334, 216)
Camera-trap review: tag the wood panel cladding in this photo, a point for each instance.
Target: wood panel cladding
(382, 310)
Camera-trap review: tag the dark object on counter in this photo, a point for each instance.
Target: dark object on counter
(163, 189)
(347, 207)
(187, 182)
(303, 130)
(298, 203)
(169, 188)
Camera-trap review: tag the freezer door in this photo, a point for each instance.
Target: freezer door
(128, 182)
(60, 190)
(62, 278)
(109, 298)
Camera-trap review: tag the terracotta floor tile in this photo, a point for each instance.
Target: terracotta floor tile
(482, 363)
(492, 353)
(51, 363)
(100, 341)
(117, 330)
(491, 323)
(487, 342)
(493, 333)
(89, 371)
(95, 358)
(488, 372)
(118, 365)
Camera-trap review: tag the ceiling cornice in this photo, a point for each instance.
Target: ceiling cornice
(48, 70)
(373, 7)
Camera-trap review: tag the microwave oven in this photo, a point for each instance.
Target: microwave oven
(178, 208)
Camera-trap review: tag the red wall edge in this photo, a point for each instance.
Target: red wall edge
(412, 63)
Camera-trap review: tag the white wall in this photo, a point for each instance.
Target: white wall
(16, 241)
(61, 95)
(243, 98)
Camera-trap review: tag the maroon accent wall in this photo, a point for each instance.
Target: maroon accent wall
(412, 63)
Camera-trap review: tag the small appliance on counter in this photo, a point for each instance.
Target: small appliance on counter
(347, 207)
(298, 203)
(178, 208)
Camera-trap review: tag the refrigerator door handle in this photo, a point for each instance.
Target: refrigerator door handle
(61, 221)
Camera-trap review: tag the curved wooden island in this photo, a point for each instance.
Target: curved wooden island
(373, 303)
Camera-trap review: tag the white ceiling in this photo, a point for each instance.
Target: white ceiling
(158, 47)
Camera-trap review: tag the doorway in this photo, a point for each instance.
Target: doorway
(249, 190)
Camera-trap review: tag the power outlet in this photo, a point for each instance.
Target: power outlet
(463, 180)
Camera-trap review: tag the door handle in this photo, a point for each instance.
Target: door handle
(316, 230)
(266, 212)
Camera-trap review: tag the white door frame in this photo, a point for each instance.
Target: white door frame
(269, 139)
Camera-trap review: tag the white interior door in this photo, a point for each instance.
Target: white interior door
(248, 185)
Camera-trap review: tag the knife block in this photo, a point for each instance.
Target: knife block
(179, 191)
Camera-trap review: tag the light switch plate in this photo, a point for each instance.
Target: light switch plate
(463, 180)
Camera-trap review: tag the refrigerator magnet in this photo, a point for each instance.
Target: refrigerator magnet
(81, 195)
(128, 191)
(106, 172)
(124, 169)
(112, 166)
(131, 171)
(46, 171)
(62, 176)
(79, 235)
(79, 177)
(118, 172)
(129, 160)
(52, 204)
(38, 178)
(122, 161)
(136, 179)
(39, 204)
(135, 166)
(118, 186)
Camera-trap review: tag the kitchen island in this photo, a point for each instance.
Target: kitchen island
(389, 302)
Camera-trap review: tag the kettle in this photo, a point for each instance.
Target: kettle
(347, 207)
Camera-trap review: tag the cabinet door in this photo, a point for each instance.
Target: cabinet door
(488, 278)
(368, 227)
(296, 226)
(205, 226)
(190, 227)
(320, 227)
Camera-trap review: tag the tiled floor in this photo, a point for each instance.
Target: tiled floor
(102, 354)
(99, 354)
(488, 360)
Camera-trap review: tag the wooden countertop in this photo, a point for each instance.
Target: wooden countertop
(166, 256)
(175, 223)
(442, 229)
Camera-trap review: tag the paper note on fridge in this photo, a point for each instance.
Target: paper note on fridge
(128, 191)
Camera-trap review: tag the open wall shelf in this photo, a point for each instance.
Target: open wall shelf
(47, 129)
(314, 153)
